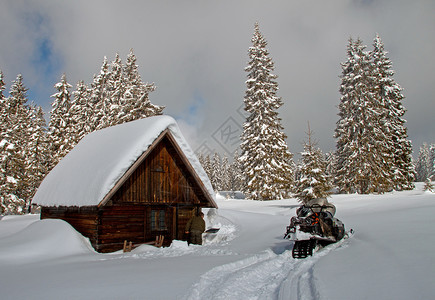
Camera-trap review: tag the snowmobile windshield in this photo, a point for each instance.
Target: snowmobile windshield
(316, 208)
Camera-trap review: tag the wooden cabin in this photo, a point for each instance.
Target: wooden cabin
(131, 182)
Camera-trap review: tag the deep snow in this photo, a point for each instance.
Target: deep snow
(390, 256)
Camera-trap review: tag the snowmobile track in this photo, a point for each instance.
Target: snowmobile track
(262, 276)
(302, 283)
(302, 249)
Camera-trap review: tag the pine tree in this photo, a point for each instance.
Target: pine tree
(331, 164)
(135, 101)
(2, 87)
(3, 111)
(206, 164)
(81, 112)
(116, 89)
(216, 172)
(225, 174)
(313, 182)
(235, 174)
(265, 157)
(61, 123)
(390, 98)
(428, 185)
(115, 96)
(15, 136)
(12, 166)
(363, 149)
(38, 156)
(423, 165)
(432, 161)
(99, 98)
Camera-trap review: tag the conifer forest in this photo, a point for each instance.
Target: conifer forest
(373, 153)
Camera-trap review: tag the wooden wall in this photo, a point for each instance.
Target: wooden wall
(162, 178)
(119, 223)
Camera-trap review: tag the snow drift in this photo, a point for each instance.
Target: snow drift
(43, 240)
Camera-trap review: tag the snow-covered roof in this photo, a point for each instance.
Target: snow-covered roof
(90, 171)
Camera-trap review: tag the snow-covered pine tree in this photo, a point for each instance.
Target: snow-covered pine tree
(428, 185)
(2, 87)
(432, 161)
(331, 164)
(38, 156)
(12, 167)
(313, 182)
(364, 152)
(206, 164)
(116, 89)
(265, 158)
(423, 165)
(3, 112)
(99, 97)
(81, 112)
(135, 101)
(216, 172)
(15, 136)
(8, 183)
(390, 97)
(235, 174)
(60, 128)
(115, 96)
(225, 181)
(201, 159)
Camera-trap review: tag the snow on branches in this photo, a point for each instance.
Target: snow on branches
(373, 152)
(265, 158)
(29, 150)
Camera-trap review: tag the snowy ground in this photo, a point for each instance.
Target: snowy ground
(390, 256)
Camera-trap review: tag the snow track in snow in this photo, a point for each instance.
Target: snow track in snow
(262, 276)
(255, 277)
(301, 284)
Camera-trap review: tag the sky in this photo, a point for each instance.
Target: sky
(195, 53)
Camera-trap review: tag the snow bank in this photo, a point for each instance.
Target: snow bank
(14, 223)
(89, 172)
(43, 240)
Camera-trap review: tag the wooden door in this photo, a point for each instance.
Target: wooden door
(160, 220)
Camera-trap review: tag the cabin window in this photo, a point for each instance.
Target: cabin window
(158, 222)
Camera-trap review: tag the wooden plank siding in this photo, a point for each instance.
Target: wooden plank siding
(119, 223)
(161, 179)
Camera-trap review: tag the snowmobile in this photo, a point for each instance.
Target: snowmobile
(314, 227)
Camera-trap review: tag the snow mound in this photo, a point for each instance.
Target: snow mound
(43, 240)
(11, 224)
(182, 245)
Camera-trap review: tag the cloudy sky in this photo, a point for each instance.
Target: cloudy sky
(195, 52)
